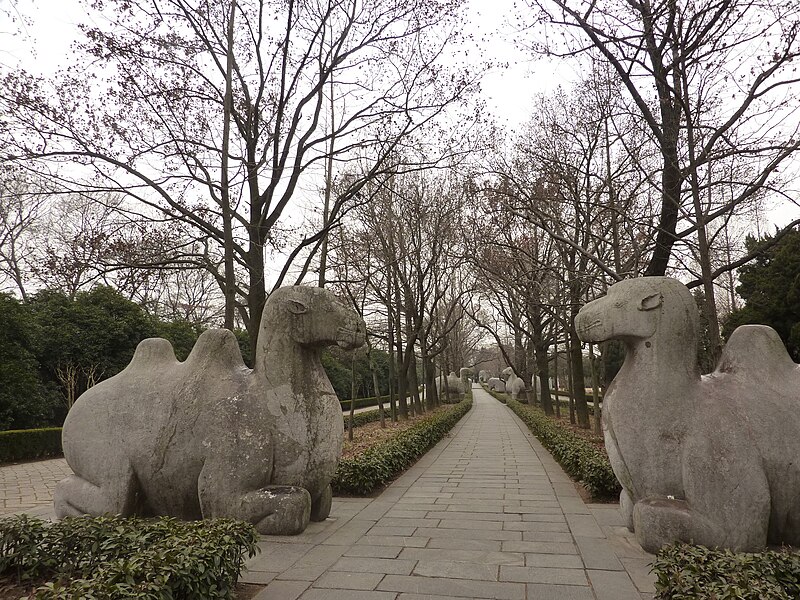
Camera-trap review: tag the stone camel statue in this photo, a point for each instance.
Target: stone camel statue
(514, 385)
(209, 437)
(711, 460)
(466, 374)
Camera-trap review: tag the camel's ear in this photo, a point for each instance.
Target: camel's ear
(651, 302)
(297, 308)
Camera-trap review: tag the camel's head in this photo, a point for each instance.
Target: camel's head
(506, 373)
(313, 317)
(635, 308)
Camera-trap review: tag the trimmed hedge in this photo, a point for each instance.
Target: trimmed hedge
(365, 417)
(27, 444)
(360, 475)
(579, 458)
(118, 557)
(686, 572)
(363, 402)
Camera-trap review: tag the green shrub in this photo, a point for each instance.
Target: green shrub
(686, 572)
(360, 475)
(117, 557)
(27, 444)
(579, 458)
(369, 416)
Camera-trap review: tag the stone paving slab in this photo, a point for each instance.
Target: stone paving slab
(487, 513)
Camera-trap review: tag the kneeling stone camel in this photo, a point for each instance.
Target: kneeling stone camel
(711, 460)
(209, 437)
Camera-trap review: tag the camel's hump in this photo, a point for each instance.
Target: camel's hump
(757, 351)
(153, 353)
(216, 348)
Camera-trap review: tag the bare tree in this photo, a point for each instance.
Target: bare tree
(724, 84)
(156, 133)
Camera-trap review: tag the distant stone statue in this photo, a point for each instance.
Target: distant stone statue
(209, 437)
(514, 385)
(711, 460)
(483, 376)
(466, 377)
(496, 384)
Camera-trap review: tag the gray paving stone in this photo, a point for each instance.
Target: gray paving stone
(349, 533)
(563, 561)
(468, 534)
(332, 594)
(348, 581)
(541, 547)
(373, 551)
(543, 575)
(257, 577)
(416, 541)
(584, 526)
(282, 590)
(478, 514)
(612, 585)
(432, 597)
(455, 543)
(546, 591)
(277, 557)
(638, 570)
(392, 531)
(453, 587)
(456, 570)
(404, 522)
(462, 555)
(386, 566)
(467, 523)
(597, 553)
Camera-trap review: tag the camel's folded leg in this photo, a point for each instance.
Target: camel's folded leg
(660, 521)
(626, 508)
(273, 509)
(321, 507)
(75, 496)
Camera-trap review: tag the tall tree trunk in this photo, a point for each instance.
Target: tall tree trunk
(578, 376)
(432, 396)
(229, 290)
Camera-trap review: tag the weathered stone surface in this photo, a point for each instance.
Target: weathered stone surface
(209, 437)
(452, 383)
(709, 459)
(514, 385)
(466, 374)
(483, 376)
(496, 384)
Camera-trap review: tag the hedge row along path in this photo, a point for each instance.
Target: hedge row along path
(487, 513)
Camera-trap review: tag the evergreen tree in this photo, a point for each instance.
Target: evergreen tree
(770, 287)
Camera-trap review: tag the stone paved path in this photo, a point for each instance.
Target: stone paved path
(486, 514)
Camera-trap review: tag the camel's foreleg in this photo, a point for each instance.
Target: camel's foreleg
(321, 507)
(234, 483)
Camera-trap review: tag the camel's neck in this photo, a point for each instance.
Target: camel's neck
(281, 361)
(657, 369)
